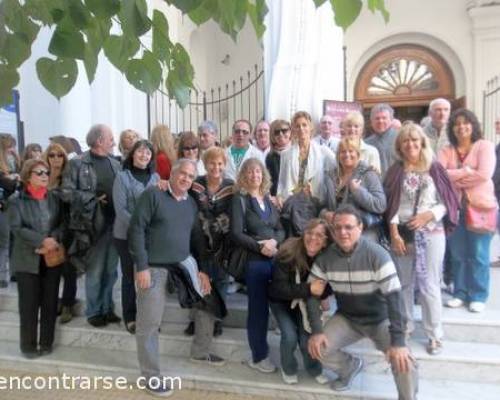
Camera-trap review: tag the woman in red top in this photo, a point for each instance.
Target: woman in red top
(163, 145)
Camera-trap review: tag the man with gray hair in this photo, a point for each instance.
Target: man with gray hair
(163, 229)
(384, 135)
(326, 136)
(439, 113)
(207, 133)
(88, 186)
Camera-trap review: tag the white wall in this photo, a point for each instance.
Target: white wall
(443, 26)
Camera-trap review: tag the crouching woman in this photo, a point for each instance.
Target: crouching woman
(288, 291)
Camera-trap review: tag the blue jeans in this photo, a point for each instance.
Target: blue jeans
(470, 258)
(101, 276)
(258, 275)
(293, 333)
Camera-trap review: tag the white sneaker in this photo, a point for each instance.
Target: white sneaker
(233, 287)
(476, 306)
(289, 379)
(454, 303)
(264, 365)
(322, 379)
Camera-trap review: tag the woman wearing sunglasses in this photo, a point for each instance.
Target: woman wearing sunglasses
(280, 141)
(36, 221)
(189, 147)
(55, 156)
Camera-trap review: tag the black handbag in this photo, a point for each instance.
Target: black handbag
(236, 264)
(407, 234)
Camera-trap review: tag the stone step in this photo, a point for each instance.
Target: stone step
(458, 324)
(463, 361)
(233, 377)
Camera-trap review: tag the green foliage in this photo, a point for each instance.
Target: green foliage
(57, 76)
(81, 30)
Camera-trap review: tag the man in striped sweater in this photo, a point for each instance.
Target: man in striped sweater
(368, 293)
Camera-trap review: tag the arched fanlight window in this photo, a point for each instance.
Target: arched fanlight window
(404, 74)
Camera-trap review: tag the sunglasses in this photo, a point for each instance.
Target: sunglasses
(54, 155)
(242, 131)
(41, 172)
(281, 131)
(189, 148)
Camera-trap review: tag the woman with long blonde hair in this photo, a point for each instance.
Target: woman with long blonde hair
(164, 148)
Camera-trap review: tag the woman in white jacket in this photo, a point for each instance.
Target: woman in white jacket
(303, 165)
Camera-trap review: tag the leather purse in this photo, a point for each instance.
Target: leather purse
(56, 257)
(480, 220)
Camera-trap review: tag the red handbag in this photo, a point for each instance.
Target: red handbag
(480, 220)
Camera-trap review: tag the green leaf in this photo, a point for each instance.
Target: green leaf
(39, 10)
(103, 8)
(374, 5)
(186, 6)
(79, 14)
(257, 13)
(9, 78)
(57, 76)
(182, 63)
(17, 19)
(144, 74)
(319, 2)
(346, 11)
(97, 32)
(119, 49)
(201, 14)
(177, 89)
(161, 41)
(90, 61)
(134, 17)
(67, 43)
(15, 50)
(232, 16)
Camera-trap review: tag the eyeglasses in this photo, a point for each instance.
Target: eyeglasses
(241, 131)
(281, 131)
(190, 148)
(40, 172)
(340, 228)
(54, 155)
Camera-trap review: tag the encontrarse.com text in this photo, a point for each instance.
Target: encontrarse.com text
(67, 382)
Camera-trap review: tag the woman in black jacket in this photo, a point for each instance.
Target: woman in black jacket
(288, 291)
(255, 226)
(35, 220)
(280, 140)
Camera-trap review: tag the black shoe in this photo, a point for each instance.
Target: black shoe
(217, 328)
(210, 359)
(13, 278)
(45, 350)
(189, 331)
(130, 327)
(97, 321)
(112, 318)
(30, 355)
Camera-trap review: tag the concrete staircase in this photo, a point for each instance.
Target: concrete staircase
(468, 367)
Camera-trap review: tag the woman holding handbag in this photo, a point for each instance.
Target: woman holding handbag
(36, 221)
(256, 227)
(357, 183)
(470, 163)
(421, 207)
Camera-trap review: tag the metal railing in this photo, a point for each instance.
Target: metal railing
(491, 107)
(242, 98)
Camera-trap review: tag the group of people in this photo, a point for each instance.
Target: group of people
(295, 217)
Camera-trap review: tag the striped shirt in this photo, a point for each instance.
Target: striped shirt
(365, 284)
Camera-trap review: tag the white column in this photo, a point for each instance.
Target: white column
(486, 53)
(302, 57)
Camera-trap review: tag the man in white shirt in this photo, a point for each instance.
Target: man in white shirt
(261, 137)
(326, 136)
(439, 111)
